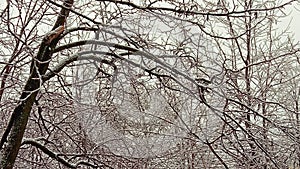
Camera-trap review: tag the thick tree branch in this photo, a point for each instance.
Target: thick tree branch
(53, 155)
(192, 12)
(86, 55)
(134, 51)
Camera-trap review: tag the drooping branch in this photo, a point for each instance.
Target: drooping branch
(92, 55)
(78, 56)
(53, 155)
(134, 51)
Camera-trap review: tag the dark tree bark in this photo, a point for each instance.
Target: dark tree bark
(19, 118)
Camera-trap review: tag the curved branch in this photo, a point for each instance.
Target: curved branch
(75, 57)
(134, 51)
(180, 11)
(54, 155)
(89, 42)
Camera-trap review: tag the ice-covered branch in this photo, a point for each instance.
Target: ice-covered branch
(54, 155)
(134, 51)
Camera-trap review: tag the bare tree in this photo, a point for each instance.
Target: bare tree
(148, 84)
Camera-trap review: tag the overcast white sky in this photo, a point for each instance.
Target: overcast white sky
(293, 19)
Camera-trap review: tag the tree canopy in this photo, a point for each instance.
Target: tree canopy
(148, 84)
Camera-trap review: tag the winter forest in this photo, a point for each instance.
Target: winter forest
(149, 84)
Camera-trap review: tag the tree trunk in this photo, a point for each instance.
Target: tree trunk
(16, 127)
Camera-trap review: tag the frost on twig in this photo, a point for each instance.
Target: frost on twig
(54, 155)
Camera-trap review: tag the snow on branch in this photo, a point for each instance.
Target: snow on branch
(134, 51)
(50, 153)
